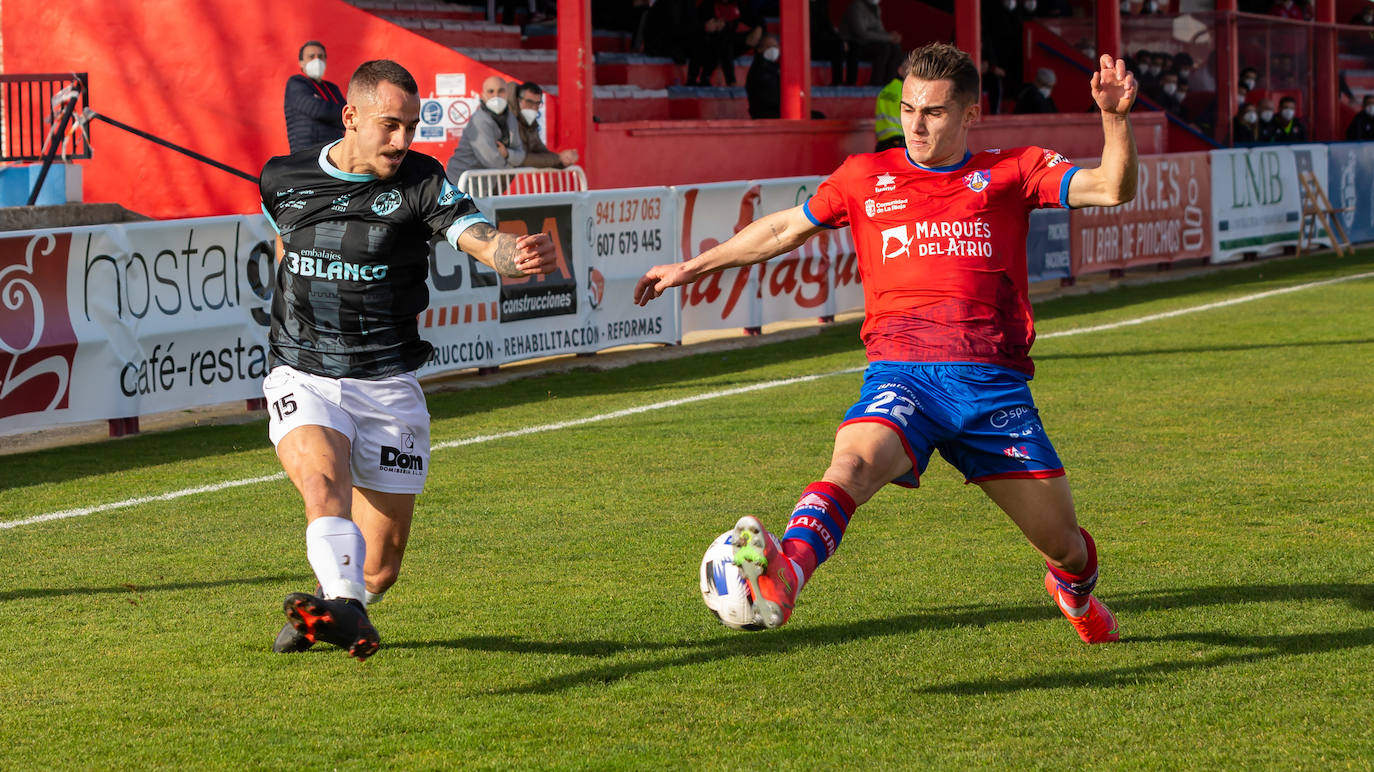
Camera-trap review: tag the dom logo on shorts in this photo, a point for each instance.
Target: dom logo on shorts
(397, 460)
(386, 203)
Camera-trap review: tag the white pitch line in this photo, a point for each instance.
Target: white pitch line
(1204, 307)
(81, 512)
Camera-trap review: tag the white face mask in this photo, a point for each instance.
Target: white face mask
(496, 104)
(314, 69)
(1249, 84)
(1045, 91)
(1369, 110)
(1029, 5)
(1266, 115)
(1010, 5)
(1287, 115)
(1150, 7)
(529, 115)
(1249, 117)
(1169, 88)
(771, 53)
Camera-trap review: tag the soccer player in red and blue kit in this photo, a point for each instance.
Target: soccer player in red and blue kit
(941, 240)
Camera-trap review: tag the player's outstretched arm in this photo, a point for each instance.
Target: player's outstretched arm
(1113, 181)
(509, 255)
(765, 238)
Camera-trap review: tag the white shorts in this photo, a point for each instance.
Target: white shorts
(386, 422)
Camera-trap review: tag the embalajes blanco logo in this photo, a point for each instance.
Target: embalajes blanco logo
(387, 202)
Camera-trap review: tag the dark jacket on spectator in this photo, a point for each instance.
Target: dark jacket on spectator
(763, 84)
(1287, 131)
(1030, 100)
(1361, 127)
(314, 112)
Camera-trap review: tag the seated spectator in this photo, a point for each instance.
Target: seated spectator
(1166, 93)
(1245, 127)
(724, 30)
(763, 84)
(529, 100)
(1035, 96)
(1184, 111)
(1365, 18)
(1287, 127)
(1265, 108)
(1150, 8)
(827, 45)
(1362, 125)
(313, 105)
(868, 39)
(1183, 65)
(488, 141)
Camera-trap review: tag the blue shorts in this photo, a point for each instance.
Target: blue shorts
(980, 417)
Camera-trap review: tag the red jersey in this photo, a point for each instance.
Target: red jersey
(942, 250)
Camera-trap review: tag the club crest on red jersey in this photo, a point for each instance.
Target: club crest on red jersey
(977, 180)
(1053, 159)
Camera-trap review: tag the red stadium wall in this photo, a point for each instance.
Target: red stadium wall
(674, 153)
(208, 75)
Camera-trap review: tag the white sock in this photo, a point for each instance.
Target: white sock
(1073, 611)
(336, 551)
(373, 597)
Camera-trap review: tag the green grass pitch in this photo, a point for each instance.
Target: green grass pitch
(548, 614)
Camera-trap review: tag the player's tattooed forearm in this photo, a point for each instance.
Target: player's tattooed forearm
(776, 237)
(483, 232)
(503, 260)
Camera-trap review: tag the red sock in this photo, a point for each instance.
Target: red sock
(818, 524)
(1081, 584)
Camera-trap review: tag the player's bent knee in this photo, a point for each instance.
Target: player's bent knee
(1072, 556)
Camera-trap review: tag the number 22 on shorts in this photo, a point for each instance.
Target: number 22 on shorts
(899, 411)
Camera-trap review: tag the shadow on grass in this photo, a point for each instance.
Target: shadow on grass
(694, 652)
(129, 587)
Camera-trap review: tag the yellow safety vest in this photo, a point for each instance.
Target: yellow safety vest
(888, 124)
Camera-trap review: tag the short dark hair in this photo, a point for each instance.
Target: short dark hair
(1368, 97)
(1288, 100)
(1182, 59)
(528, 87)
(942, 61)
(301, 54)
(1244, 70)
(375, 71)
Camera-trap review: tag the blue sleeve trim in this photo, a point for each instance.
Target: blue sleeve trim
(270, 221)
(1064, 186)
(461, 224)
(806, 210)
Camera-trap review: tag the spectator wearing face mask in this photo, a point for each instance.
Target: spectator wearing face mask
(488, 141)
(529, 102)
(314, 106)
(1146, 72)
(763, 84)
(1245, 127)
(1365, 18)
(1287, 127)
(1265, 107)
(1035, 96)
(1362, 125)
(1249, 82)
(1165, 93)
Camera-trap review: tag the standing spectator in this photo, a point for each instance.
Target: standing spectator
(763, 84)
(1287, 127)
(1245, 127)
(828, 46)
(868, 39)
(314, 106)
(529, 100)
(488, 142)
(1035, 96)
(887, 124)
(1362, 125)
(1249, 80)
(724, 29)
(668, 32)
(1290, 9)
(1002, 52)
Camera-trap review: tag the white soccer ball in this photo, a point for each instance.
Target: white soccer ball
(724, 588)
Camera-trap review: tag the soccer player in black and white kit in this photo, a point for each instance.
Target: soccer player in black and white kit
(347, 416)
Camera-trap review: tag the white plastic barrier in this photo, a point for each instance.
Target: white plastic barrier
(525, 180)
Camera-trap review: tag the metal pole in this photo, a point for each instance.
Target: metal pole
(51, 152)
(796, 60)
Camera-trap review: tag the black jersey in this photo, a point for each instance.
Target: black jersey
(352, 280)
